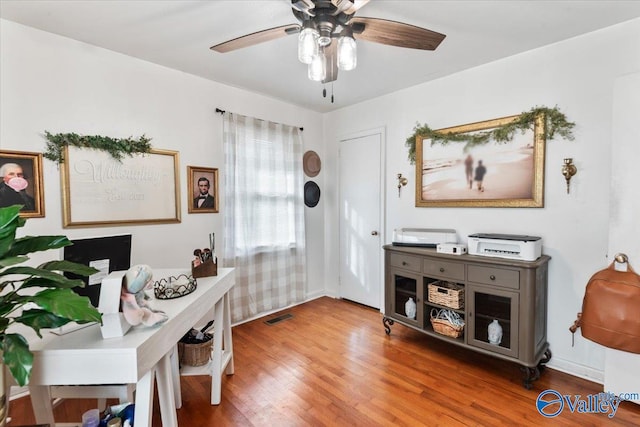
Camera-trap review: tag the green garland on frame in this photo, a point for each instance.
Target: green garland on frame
(116, 147)
(555, 123)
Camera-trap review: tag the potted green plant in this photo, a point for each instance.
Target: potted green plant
(54, 302)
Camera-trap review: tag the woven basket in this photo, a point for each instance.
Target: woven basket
(445, 328)
(446, 294)
(446, 322)
(195, 354)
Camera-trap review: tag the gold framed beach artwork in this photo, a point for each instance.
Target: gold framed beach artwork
(493, 174)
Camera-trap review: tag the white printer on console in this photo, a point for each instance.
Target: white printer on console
(511, 246)
(425, 237)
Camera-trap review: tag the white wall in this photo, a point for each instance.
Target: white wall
(48, 82)
(52, 83)
(622, 369)
(576, 75)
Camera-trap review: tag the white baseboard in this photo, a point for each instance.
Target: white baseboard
(17, 392)
(315, 295)
(267, 313)
(576, 370)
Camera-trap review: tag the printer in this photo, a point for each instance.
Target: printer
(425, 237)
(511, 246)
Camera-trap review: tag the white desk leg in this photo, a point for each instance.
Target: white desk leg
(144, 400)
(222, 317)
(228, 341)
(41, 403)
(175, 375)
(216, 362)
(166, 397)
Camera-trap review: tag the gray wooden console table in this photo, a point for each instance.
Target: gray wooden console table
(512, 292)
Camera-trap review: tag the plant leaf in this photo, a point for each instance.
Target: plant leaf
(9, 261)
(9, 222)
(17, 357)
(40, 319)
(39, 282)
(8, 304)
(54, 278)
(66, 303)
(69, 267)
(28, 244)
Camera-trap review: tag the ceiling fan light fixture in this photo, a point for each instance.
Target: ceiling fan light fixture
(307, 45)
(325, 28)
(324, 40)
(321, 21)
(318, 68)
(347, 53)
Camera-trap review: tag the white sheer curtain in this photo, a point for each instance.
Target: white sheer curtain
(264, 215)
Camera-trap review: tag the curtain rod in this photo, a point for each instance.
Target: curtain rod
(218, 110)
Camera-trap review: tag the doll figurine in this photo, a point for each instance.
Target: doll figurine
(134, 299)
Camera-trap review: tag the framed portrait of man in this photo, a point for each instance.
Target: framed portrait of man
(203, 189)
(21, 182)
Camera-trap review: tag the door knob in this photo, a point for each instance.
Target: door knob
(374, 233)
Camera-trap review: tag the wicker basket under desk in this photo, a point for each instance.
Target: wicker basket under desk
(195, 354)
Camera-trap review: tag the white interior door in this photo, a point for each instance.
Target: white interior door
(360, 219)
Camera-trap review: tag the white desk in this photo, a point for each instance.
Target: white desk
(82, 357)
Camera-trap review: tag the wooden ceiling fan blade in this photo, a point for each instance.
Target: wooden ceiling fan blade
(395, 33)
(256, 38)
(349, 7)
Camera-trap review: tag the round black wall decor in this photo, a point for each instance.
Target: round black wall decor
(311, 194)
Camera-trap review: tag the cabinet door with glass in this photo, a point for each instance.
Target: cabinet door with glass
(492, 319)
(404, 297)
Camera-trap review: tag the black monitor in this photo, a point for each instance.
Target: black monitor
(107, 254)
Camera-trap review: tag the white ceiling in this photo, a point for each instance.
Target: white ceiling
(178, 34)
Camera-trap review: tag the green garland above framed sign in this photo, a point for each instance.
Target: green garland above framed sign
(555, 123)
(116, 147)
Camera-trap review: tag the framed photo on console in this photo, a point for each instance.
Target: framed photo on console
(202, 189)
(21, 182)
(492, 174)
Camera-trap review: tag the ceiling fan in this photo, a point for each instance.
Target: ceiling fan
(327, 31)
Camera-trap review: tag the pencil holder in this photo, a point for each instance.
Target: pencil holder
(205, 269)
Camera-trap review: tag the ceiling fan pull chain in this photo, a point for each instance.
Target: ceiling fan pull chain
(324, 92)
(332, 92)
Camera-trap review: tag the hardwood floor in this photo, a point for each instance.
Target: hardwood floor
(331, 364)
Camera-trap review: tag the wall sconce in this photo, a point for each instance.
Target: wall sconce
(402, 181)
(568, 170)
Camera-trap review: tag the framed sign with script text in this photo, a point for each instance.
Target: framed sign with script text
(100, 190)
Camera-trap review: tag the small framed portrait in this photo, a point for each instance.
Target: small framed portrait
(202, 189)
(21, 174)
